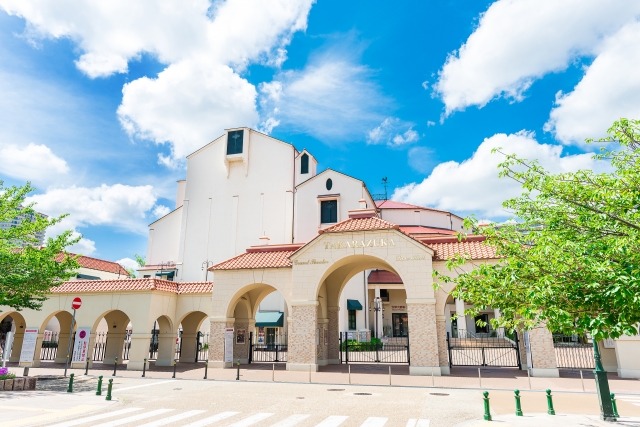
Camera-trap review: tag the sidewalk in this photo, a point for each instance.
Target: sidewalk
(542, 419)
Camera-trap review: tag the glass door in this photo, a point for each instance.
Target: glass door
(400, 324)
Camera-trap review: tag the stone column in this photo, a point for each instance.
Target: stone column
(139, 351)
(216, 341)
(423, 337)
(17, 347)
(462, 319)
(15, 352)
(189, 346)
(627, 351)
(543, 354)
(302, 336)
(333, 352)
(115, 345)
(241, 351)
(323, 350)
(63, 343)
(443, 353)
(166, 349)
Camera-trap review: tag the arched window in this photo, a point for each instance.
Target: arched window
(304, 163)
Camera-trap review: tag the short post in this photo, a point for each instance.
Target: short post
(582, 380)
(99, 390)
(109, 387)
(389, 375)
(238, 374)
(550, 409)
(115, 367)
(479, 377)
(144, 368)
(25, 372)
(70, 389)
(349, 374)
(614, 405)
(206, 368)
(86, 369)
(487, 412)
(273, 373)
(529, 377)
(518, 407)
(175, 363)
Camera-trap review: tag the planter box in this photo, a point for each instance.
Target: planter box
(8, 384)
(30, 383)
(1, 384)
(18, 384)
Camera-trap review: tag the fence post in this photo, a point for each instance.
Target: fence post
(487, 411)
(550, 409)
(206, 367)
(99, 390)
(251, 347)
(518, 407)
(449, 351)
(517, 341)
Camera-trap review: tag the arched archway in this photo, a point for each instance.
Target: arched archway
(14, 322)
(163, 346)
(56, 344)
(194, 344)
(114, 342)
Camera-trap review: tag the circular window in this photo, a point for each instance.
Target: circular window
(329, 184)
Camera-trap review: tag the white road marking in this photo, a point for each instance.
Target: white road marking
(211, 420)
(291, 421)
(374, 422)
(178, 417)
(134, 418)
(418, 422)
(333, 421)
(143, 385)
(253, 419)
(96, 417)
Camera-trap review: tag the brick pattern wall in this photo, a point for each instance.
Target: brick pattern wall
(334, 331)
(240, 351)
(543, 354)
(302, 335)
(216, 340)
(443, 355)
(423, 339)
(322, 350)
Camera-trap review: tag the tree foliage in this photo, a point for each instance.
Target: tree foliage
(572, 260)
(28, 271)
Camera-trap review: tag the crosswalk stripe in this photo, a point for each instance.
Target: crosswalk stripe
(96, 417)
(333, 421)
(418, 422)
(178, 417)
(374, 422)
(211, 420)
(253, 419)
(291, 421)
(134, 418)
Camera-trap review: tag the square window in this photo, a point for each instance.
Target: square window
(234, 142)
(328, 211)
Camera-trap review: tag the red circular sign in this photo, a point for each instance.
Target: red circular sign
(76, 303)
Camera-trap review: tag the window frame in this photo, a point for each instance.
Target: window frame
(336, 211)
(304, 164)
(352, 315)
(233, 152)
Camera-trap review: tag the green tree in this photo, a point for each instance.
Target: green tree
(28, 271)
(140, 260)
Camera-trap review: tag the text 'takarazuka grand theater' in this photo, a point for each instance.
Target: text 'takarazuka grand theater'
(266, 260)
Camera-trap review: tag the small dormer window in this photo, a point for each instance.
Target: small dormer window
(234, 142)
(304, 164)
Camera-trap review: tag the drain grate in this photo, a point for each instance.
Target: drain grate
(439, 394)
(335, 389)
(362, 394)
(299, 397)
(177, 389)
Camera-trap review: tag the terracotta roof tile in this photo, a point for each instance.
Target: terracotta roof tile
(262, 259)
(97, 264)
(383, 276)
(418, 229)
(360, 224)
(149, 284)
(473, 247)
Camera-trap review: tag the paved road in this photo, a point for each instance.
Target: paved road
(149, 402)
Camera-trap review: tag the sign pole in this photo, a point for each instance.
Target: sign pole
(73, 320)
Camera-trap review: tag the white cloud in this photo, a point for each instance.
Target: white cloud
(160, 211)
(420, 159)
(128, 263)
(83, 247)
(34, 162)
(332, 99)
(609, 90)
(204, 46)
(120, 206)
(519, 41)
(393, 132)
(473, 186)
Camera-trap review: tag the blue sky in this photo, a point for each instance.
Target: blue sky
(100, 104)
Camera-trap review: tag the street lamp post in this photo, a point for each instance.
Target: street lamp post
(602, 386)
(376, 306)
(205, 267)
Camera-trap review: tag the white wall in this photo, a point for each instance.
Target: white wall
(354, 289)
(313, 165)
(164, 238)
(422, 217)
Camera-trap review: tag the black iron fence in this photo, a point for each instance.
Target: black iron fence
(573, 352)
(202, 347)
(378, 350)
(99, 346)
(472, 350)
(268, 348)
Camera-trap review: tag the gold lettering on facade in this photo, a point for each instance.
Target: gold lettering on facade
(310, 262)
(410, 257)
(371, 243)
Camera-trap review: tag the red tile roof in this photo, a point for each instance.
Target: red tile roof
(260, 259)
(383, 276)
(149, 284)
(97, 264)
(473, 246)
(392, 204)
(418, 229)
(360, 224)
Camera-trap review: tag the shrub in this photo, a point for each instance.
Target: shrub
(6, 375)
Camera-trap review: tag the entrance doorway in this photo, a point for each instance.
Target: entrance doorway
(400, 325)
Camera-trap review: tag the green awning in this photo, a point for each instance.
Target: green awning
(353, 304)
(270, 318)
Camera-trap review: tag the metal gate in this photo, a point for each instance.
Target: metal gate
(385, 350)
(269, 348)
(478, 350)
(573, 352)
(202, 347)
(49, 349)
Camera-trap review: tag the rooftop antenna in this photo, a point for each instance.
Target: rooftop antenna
(384, 182)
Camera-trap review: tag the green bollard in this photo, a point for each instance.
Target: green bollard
(99, 391)
(550, 410)
(615, 406)
(70, 389)
(109, 388)
(487, 413)
(518, 407)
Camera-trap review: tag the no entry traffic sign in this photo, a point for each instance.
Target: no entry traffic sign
(76, 303)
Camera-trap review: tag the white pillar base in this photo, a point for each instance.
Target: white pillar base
(136, 366)
(425, 370)
(445, 370)
(545, 372)
(629, 373)
(218, 364)
(302, 367)
(164, 362)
